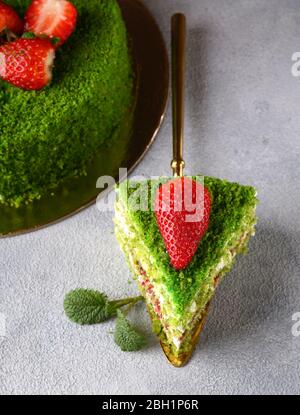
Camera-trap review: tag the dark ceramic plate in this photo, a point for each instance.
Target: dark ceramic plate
(129, 147)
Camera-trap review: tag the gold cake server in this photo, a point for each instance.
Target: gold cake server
(178, 29)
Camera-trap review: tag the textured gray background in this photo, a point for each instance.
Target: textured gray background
(242, 124)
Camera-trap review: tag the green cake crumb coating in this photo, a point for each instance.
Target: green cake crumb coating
(49, 135)
(232, 215)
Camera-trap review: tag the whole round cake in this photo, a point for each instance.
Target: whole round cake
(51, 134)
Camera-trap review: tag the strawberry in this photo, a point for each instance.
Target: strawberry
(27, 63)
(53, 18)
(9, 20)
(182, 210)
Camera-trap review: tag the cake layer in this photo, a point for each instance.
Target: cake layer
(176, 300)
(49, 135)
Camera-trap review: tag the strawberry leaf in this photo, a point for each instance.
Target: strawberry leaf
(28, 35)
(55, 40)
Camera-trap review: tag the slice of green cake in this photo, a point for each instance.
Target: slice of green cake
(178, 300)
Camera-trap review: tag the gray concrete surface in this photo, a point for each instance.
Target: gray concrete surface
(243, 124)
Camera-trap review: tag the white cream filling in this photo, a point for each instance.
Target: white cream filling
(177, 342)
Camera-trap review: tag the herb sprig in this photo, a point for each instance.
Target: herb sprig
(88, 307)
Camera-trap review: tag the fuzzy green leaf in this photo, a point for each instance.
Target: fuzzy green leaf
(126, 336)
(88, 307)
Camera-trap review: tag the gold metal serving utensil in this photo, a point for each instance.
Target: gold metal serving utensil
(178, 26)
(183, 358)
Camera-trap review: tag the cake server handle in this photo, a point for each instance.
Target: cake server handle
(178, 25)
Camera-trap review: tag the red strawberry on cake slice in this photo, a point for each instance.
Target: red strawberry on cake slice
(182, 209)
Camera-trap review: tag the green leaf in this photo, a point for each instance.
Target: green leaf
(28, 35)
(88, 307)
(126, 336)
(31, 35)
(55, 40)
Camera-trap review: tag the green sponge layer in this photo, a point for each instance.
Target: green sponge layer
(49, 135)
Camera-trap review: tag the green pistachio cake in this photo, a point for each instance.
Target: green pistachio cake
(50, 135)
(178, 300)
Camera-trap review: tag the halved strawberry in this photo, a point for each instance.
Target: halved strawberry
(9, 20)
(182, 210)
(27, 63)
(53, 18)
